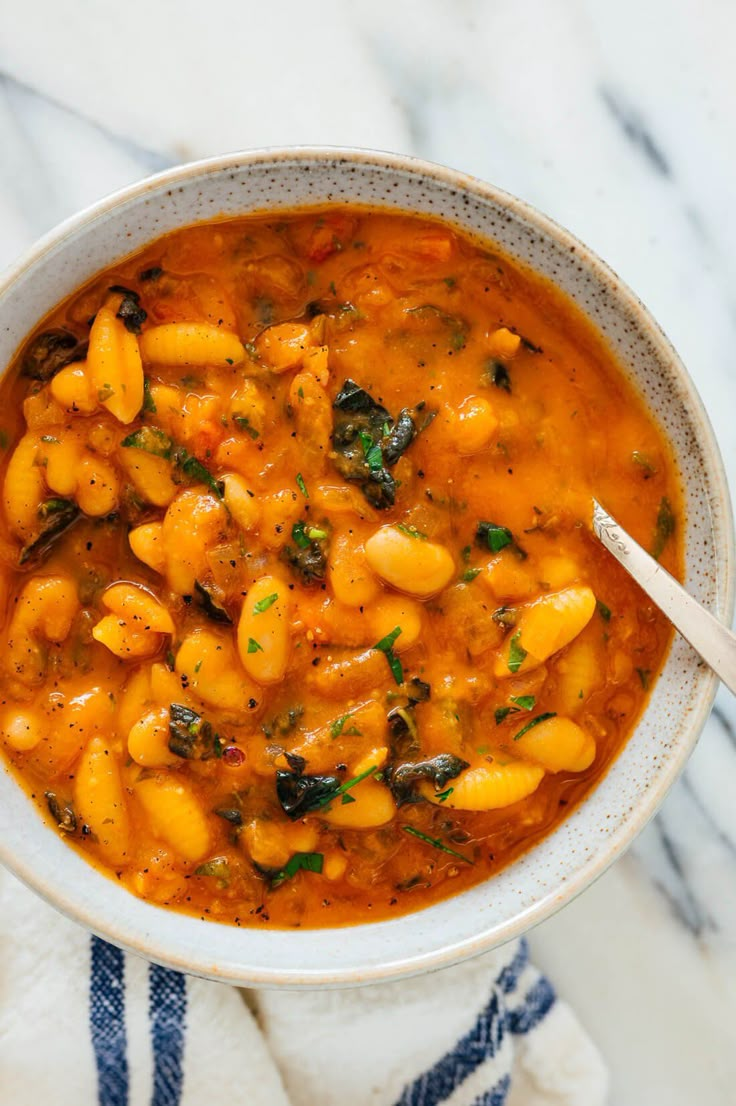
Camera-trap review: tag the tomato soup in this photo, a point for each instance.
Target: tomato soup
(304, 621)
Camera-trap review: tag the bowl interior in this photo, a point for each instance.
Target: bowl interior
(583, 845)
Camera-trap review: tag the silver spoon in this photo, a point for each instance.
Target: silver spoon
(709, 637)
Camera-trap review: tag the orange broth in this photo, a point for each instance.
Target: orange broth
(199, 511)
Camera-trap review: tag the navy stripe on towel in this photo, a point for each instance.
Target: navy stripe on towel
(484, 1039)
(107, 1023)
(537, 1004)
(509, 976)
(167, 1009)
(480, 1044)
(497, 1095)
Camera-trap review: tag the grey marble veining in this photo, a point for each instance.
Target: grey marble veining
(617, 120)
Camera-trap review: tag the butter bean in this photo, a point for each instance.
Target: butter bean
(263, 630)
(410, 564)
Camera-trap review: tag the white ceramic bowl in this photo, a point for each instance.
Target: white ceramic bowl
(547, 877)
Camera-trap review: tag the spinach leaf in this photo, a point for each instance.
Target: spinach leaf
(217, 867)
(212, 609)
(439, 770)
(299, 794)
(190, 736)
(51, 351)
(490, 535)
(62, 812)
(368, 442)
(56, 516)
(130, 310)
(497, 373)
(283, 722)
(309, 559)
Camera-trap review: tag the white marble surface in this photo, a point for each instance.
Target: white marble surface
(616, 119)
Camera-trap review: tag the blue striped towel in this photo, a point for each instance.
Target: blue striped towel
(84, 1024)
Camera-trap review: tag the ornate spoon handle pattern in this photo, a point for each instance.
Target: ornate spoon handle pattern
(709, 637)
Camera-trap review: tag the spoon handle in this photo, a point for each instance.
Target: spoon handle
(709, 637)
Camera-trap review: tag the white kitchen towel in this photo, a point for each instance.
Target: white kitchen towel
(83, 1024)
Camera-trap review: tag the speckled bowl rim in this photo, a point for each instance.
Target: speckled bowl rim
(136, 937)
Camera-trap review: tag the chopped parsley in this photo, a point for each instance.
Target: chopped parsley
(644, 463)
(148, 404)
(386, 646)
(523, 702)
(152, 440)
(243, 423)
(254, 646)
(299, 535)
(411, 531)
(263, 604)
(664, 527)
(372, 452)
(534, 722)
(517, 653)
(494, 537)
(644, 675)
(299, 862)
(436, 843)
(470, 574)
(338, 727)
(301, 485)
(603, 610)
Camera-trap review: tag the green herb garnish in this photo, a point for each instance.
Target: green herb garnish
(338, 727)
(263, 604)
(411, 531)
(524, 702)
(343, 789)
(152, 440)
(603, 610)
(298, 535)
(494, 537)
(644, 675)
(470, 574)
(517, 653)
(534, 722)
(385, 645)
(254, 646)
(436, 844)
(301, 485)
(243, 423)
(644, 463)
(217, 867)
(664, 527)
(372, 451)
(299, 862)
(148, 405)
